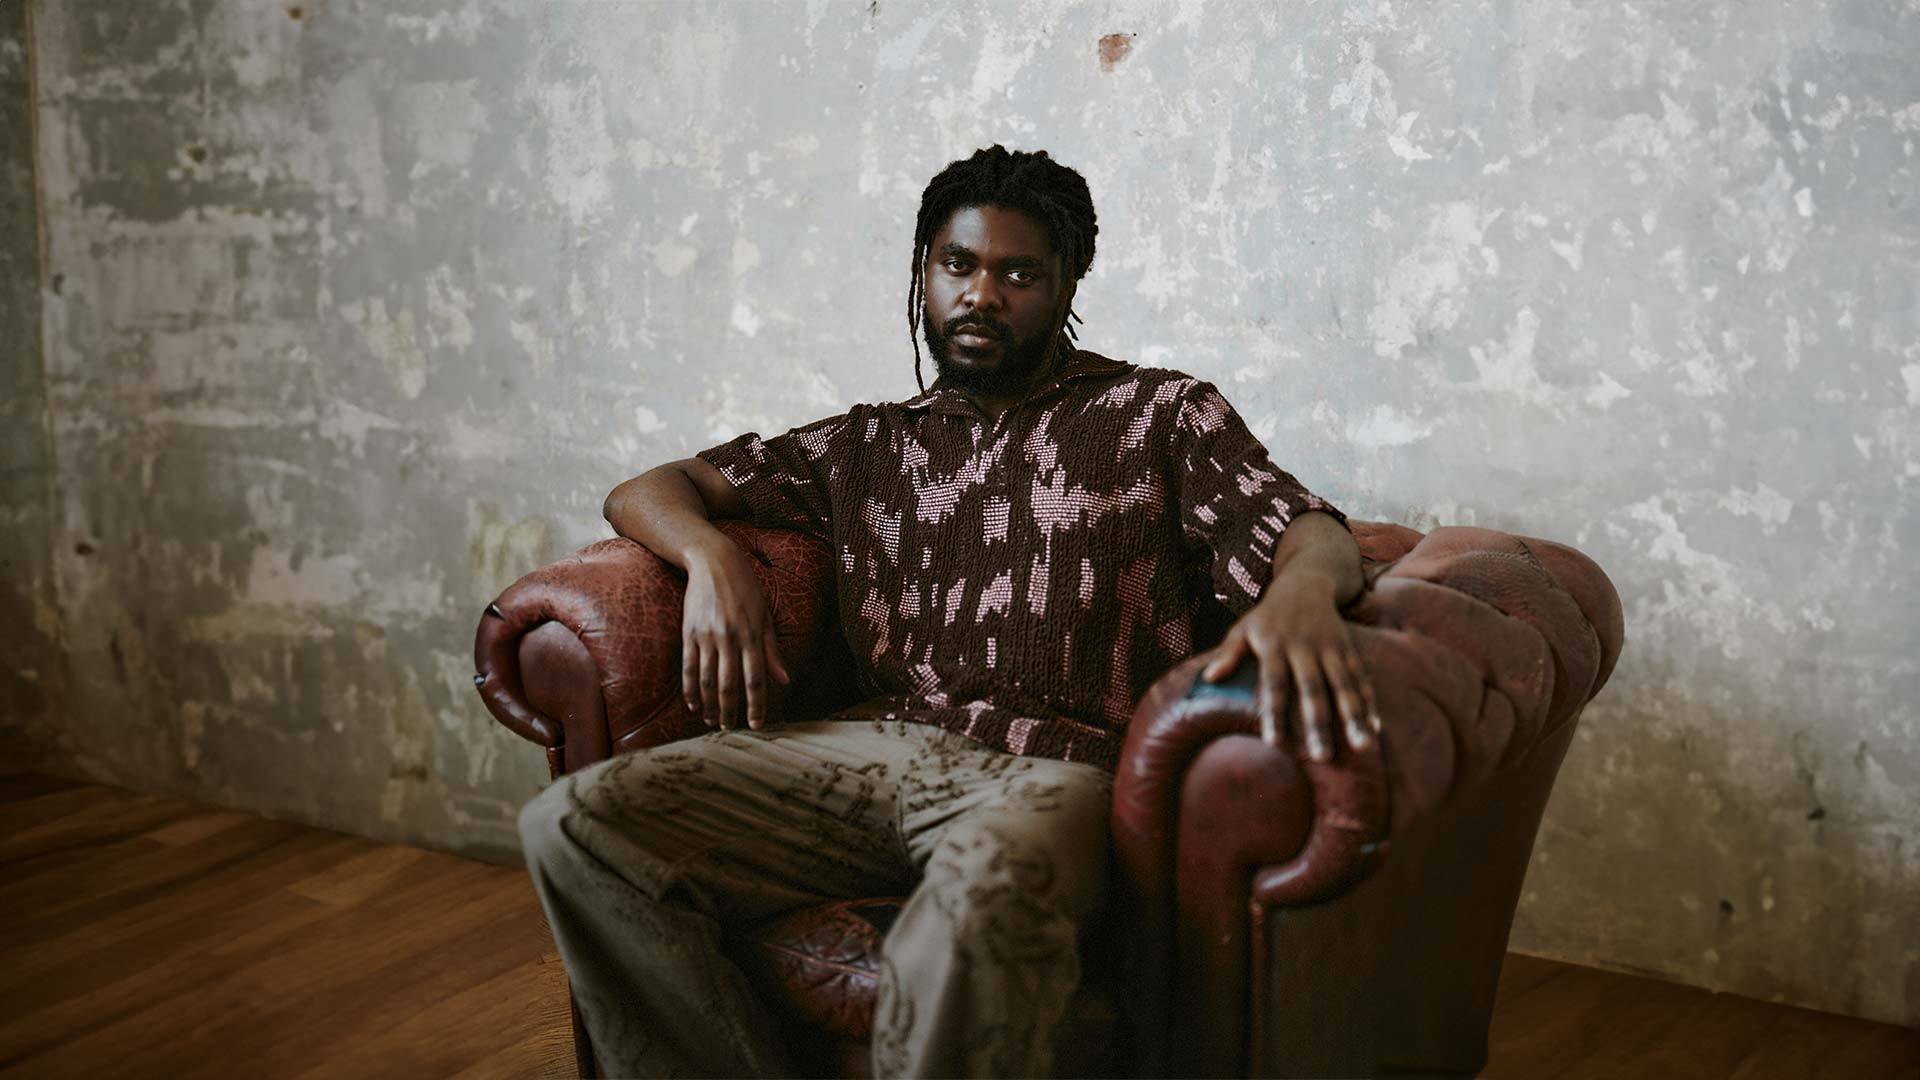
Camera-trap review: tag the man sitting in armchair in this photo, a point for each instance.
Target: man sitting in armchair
(1020, 552)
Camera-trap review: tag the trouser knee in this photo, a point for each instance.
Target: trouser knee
(1005, 894)
(566, 839)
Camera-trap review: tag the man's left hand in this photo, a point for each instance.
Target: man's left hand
(1303, 649)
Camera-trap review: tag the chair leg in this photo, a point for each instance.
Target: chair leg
(582, 1043)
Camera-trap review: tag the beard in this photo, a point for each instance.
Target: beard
(1024, 357)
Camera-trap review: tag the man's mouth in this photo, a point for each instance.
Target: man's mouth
(974, 337)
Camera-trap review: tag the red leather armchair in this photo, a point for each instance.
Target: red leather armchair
(1275, 917)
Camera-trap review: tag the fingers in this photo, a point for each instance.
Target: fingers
(1272, 702)
(1227, 656)
(710, 684)
(730, 689)
(690, 672)
(765, 663)
(728, 654)
(753, 680)
(1364, 685)
(1338, 665)
(774, 663)
(1319, 668)
(1366, 695)
(726, 684)
(1270, 696)
(1316, 720)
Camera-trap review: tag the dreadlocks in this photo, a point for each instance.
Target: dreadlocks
(1030, 182)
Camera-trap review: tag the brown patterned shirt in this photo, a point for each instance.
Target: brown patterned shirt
(1023, 582)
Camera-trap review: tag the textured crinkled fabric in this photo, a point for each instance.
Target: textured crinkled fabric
(1023, 582)
(646, 862)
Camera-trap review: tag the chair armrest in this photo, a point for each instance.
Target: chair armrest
(1479, 644)
(583, 656)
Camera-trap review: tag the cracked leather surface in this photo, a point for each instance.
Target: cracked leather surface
(1480, 644)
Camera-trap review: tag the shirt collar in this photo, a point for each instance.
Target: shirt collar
(1082, 364)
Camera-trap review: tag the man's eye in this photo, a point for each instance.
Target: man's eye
(956, 266)
(1021, 277)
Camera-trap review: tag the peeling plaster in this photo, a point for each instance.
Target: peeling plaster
(349, 322)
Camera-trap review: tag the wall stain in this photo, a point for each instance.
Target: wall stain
(369, 330)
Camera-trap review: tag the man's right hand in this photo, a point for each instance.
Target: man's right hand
(727, 652)
(727, 649)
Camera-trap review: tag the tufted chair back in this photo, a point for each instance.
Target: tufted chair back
(1276, 916)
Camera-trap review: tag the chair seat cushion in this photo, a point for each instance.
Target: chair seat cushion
(820, 966)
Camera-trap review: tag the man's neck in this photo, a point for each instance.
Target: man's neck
(995, 407)
(993, 404)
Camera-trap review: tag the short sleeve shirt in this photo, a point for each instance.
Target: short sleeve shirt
(1024, 581)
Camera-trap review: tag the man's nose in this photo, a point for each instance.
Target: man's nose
(982, 293)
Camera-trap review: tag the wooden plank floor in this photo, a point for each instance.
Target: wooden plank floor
(1563, 1020)
(154, 937)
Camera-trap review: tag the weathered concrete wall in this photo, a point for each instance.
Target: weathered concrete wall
(357, 309)
(30, 676)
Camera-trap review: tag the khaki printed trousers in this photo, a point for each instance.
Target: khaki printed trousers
(643, 861)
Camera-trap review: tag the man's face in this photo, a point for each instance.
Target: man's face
(993, 296)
